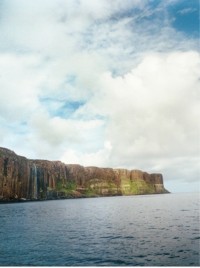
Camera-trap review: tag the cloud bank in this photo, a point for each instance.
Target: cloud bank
(105, 83)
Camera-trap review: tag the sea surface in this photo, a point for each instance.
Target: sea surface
(148, 230)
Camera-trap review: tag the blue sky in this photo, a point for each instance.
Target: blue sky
(186, 17)
(104, 83)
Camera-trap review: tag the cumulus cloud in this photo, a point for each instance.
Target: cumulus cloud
(19, 86)
(152, 116)
(100, 158)
(106, 83)
(153, 111)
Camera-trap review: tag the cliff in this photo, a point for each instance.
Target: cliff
(25, 179)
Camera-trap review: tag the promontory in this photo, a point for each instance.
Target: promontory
(27, 179)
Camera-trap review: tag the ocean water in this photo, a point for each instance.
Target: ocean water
(149, 230)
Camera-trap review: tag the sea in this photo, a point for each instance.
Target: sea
(143, 230)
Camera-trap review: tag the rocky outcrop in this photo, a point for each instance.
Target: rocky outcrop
(25, 179)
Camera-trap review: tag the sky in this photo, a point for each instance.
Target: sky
(107, 83)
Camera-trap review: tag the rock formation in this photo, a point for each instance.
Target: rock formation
(25, 179)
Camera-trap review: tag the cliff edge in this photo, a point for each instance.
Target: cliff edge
(26, 179)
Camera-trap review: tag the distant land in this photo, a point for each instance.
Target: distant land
(23, 179)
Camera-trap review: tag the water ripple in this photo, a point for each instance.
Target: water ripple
(120, 231)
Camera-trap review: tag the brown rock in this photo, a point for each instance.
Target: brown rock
(21, 178)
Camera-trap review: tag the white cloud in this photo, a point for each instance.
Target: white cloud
(19, 86)
(136, 77)
(98, 158)
(187, 10)
(153, 111)
(152, 115)
(55, 130)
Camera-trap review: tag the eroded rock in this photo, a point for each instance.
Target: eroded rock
(26, 179)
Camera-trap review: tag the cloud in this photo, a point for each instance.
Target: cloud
(153, 113)
(55, 130)
(98, 158)
(154, 109)
(108, 83)
(19, 86)
(187, 10)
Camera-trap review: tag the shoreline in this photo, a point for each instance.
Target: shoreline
(23, 200)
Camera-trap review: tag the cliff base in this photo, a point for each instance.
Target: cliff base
(23, 179)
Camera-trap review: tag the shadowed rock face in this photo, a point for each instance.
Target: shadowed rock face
(21, 178)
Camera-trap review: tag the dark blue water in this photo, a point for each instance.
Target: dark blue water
(137, 230)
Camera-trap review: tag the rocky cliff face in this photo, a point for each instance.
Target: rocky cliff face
(21, 178)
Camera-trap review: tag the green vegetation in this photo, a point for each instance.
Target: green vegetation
(66, 188)
(96, 188)
(91, 192)
(49, 189)
(102, 188)
(42, 193)
(141, 187)
(136, 187)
